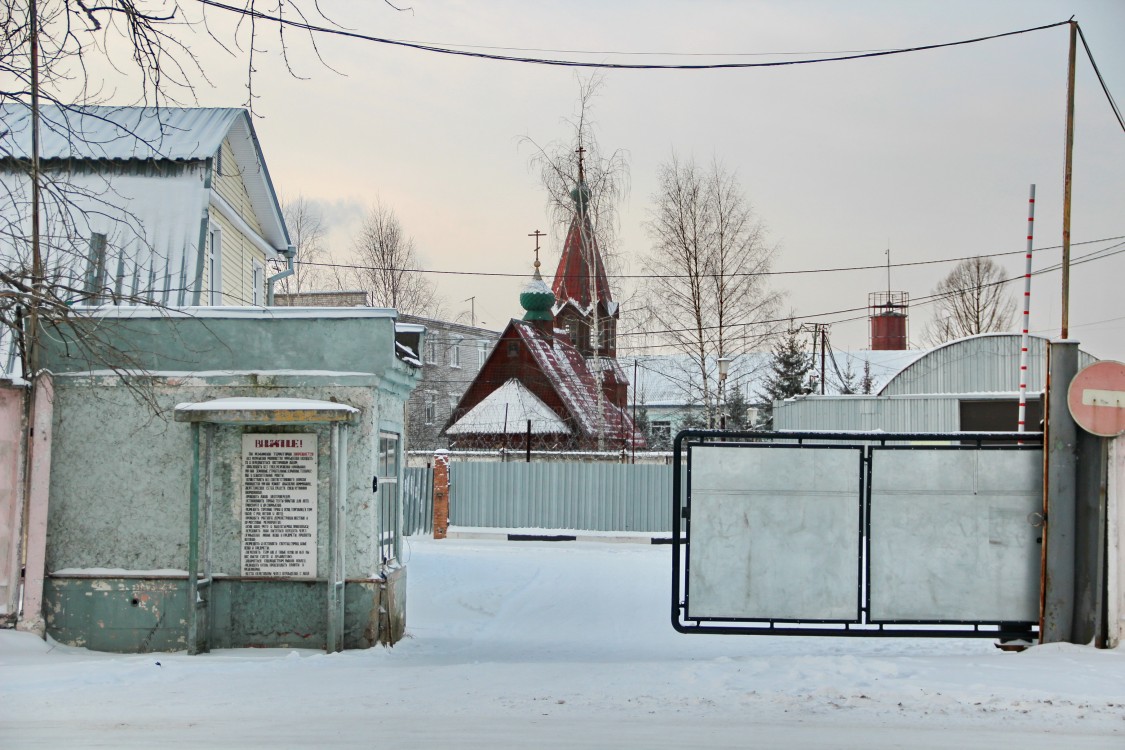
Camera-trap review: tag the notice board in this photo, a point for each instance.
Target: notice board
(279, 505)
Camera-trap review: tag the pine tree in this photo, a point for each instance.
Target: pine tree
(847, 382)
(789, 373)
(738, 411)
(866, 383)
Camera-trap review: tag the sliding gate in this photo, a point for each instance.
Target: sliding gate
(858, 534)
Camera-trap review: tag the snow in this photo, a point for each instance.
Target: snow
(266, 404)
(562, 645)
(508, 409)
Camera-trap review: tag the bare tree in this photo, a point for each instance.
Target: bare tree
(387, 266)
(606, 175)
(305, 223)
(707, 295)
(971, 300)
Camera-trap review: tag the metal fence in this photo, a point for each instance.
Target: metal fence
(573, 496)
(417, 501)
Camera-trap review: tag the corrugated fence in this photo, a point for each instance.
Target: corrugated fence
(577, 496)
(417, 501)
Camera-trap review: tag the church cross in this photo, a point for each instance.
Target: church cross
(537, 234)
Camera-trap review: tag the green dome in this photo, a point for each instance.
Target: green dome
(581, 195)
(537, 298)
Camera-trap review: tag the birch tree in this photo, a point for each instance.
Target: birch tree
(387, 266)
(706, 295)
(971, 300)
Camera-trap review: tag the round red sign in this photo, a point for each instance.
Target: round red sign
(1097, 398)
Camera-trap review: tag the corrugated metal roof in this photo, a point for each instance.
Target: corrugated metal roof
(986, 363)
(149, 133)
(673, 379)
(178, 134)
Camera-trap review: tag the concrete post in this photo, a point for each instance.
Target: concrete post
(38, 482)
(441, 494)
(1060, 454)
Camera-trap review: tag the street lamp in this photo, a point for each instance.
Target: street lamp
(724, 366)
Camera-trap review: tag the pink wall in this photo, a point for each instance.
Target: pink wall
(11, 494)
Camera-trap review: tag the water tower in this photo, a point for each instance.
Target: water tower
(888, 313)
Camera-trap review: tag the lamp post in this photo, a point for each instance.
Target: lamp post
(724, 366)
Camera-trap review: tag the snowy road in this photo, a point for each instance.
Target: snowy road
(517, 645)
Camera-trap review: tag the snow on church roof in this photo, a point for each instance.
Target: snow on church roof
(508, 409)
(570, 375)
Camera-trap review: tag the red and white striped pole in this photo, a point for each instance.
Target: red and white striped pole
(1026, 311)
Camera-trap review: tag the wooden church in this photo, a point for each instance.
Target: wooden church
(552, 381)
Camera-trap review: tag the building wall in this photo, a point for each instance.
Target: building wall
(12, 456)
(239, 253)
(118, 527)
(451, 356)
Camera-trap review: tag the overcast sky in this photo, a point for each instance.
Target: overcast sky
(930, 153)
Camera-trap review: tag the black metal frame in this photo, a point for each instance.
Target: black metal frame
(862, 625)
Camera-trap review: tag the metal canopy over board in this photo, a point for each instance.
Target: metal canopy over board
(262, 412)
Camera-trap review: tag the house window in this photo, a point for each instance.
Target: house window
(215, 266)
(661, 433)
(430, 401)
(455, 354)
(431, 351)
(258, 279)
(482, 353)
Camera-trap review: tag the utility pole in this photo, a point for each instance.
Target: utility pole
(1067, 180)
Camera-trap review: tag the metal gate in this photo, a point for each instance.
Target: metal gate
(867, 534)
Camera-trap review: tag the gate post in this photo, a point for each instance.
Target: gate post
(1060, 454)
(441, 493)
(1115, 502)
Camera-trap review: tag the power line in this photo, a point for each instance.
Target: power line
(796, 272)
(337, 31)
(917, 301)
(1105, 88)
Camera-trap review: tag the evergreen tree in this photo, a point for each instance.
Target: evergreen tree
(738, 411)
(847, 382)
(866, 383)
(788, 375)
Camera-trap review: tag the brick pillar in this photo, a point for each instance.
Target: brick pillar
(441, 494)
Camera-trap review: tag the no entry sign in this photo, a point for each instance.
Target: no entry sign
(1097, 398)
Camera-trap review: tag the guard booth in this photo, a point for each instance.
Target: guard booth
(280, 506)
(251, 501)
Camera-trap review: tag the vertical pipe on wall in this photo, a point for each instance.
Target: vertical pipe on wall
(193, 544)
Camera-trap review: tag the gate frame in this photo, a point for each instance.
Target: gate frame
(681, 522)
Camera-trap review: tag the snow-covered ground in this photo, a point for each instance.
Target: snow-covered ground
(561, 645)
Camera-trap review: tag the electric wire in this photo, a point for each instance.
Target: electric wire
(793, 272)
(314, 28)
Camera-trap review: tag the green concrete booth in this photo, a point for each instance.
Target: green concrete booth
(236, 485)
